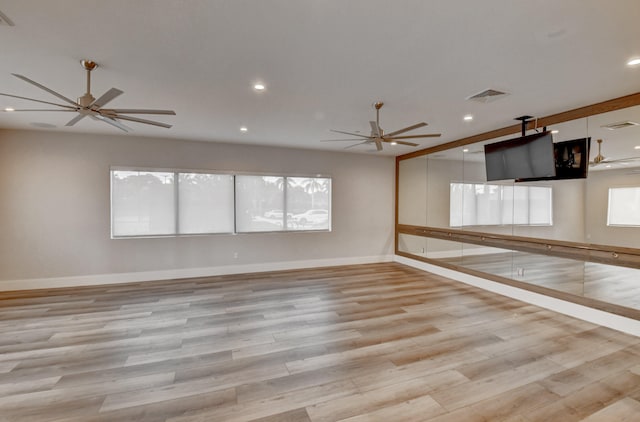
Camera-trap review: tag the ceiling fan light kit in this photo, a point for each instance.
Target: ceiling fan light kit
(378, 136)
(87, 105)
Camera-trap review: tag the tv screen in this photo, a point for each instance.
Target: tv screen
(524, 158)
(572, 158)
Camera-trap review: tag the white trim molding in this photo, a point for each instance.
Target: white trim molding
(596, 316)
(180, 273)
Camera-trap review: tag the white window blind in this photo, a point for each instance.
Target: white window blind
(480, 204)
(161, 203)
(308, 203)
(540, 211)
(259, 203)
(624, 207)
(142, 203)
(205, 203)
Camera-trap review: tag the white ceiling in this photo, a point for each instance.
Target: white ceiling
(324, 63)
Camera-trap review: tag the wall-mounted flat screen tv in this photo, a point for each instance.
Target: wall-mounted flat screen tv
(525, 158)
(572, 158)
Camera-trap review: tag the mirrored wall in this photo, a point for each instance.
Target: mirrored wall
(576, 236)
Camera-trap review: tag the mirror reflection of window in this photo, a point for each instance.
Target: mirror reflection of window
(624, 207)
(484, 204)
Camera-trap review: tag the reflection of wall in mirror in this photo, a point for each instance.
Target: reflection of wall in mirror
(568, 213)
(424, 192)
(412, 191)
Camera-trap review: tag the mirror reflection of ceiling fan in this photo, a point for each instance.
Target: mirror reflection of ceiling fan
(601, 159)
(378, 136)
(87, 105)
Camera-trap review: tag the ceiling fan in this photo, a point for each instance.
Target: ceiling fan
(87, 105)
(378, 136)
(601, 159)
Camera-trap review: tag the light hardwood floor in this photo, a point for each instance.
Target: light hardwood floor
(380, 342)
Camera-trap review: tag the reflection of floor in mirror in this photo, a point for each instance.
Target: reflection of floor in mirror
(618, 285)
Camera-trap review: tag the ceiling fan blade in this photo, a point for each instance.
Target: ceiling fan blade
(112, 122)
(350, 133)
(34, 109)
(147, 122)
(40, 101)
(106, 97)
(75, 120)
(378, 142)
(411, 144)
(620, 160)
(44, 88)
(340, 140)
(432, 135)
(355, 145)
(406, 129)
(375, 130)
(138, 111)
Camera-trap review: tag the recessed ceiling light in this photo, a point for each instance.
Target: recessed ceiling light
(259, 87)
(468, 118)
(243, 129)
(636, 147)
(9, 109)
(633, 62)
(465, 150)
(394, 143)
(555, 131)
(608, 166)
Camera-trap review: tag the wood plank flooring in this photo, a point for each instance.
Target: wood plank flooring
(608, 283)
(380, 342)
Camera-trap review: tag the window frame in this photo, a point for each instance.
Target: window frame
(178, 171)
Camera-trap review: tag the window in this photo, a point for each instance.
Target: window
(480, 204)
(142, 203)
(266, 203)
(169, 203)
(308, 203)
(624, 207)
(205, 203)
(259, 204)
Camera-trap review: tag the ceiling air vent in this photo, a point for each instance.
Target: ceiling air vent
(487, 96)
(620, 125)
(4, 20)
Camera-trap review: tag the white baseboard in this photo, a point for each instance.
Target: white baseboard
(117, 278)
(596, 316)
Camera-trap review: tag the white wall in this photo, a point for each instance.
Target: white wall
(55, 211)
